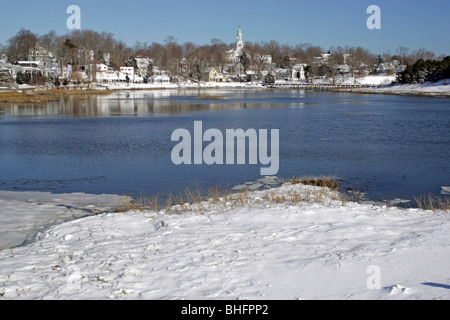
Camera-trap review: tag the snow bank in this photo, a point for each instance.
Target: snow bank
(441, 88)
(125, 86)
(23, 214)
(260, 251)
(377, 80)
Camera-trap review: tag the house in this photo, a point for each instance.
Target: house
(43, 56)
(107, 76)
(142, 65)
(126, 74)
(262, 59)
(284, 73)
(129, 71)
(323, 59)
(211, 75)
(30, 66)
(11, 69)
(101, 67)
(343, 69)
(299, 70)
(160, 79)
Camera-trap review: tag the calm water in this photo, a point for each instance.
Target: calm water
(390, 146)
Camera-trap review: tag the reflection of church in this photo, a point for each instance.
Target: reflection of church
(235, 53)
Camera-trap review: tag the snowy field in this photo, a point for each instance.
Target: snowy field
(261, 250)
(440, 88)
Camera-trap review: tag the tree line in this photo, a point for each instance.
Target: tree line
(426, 70)
(75, 47)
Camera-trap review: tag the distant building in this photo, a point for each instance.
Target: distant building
(11, 69)
(107, 58)
(234, 56)
(100, 67)
(211, 75)
(142, 65)
(235, 53)
(44, 58)
(299, 70)
(106, 76)
(263, 59)
(160, 79)
(126, 74)
(323, 59)
(30, 66)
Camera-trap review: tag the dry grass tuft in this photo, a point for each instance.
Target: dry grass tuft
(220, 199)
(36, 96)
(142, 203)
(317, 182)
(210, 98)
(433, 203)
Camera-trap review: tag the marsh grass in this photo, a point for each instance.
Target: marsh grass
(323, 191)
(211, 98)
(37, 96)
(219, 199)
(141, 203)
(317, 182)
(433, 203)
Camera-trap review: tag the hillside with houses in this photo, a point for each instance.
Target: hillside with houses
(89, 58)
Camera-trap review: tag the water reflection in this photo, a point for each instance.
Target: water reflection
(151, 103)
(393, 146)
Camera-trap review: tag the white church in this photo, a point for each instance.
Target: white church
(235, 54)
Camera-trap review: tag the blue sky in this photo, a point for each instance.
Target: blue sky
(327, 23)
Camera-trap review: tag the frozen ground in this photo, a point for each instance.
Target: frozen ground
(261, 250)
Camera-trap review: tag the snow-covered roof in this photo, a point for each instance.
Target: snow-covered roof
(28, 62)
(299, 66)
(207, 70)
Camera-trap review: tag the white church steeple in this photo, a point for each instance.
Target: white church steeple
(239, 42)
(235, 53)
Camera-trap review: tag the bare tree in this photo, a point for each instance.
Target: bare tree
(19, 46)
(173, 54)
(402, 53)
(218, 50)
(49, 41)
(423, 54)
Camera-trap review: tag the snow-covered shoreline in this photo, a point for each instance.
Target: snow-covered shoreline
(261, 250)
(429, 89)
(383, 83)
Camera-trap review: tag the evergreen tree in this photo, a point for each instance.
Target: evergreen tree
(245, 61)
(425, 70)
(307, 72)
(269, 79)
(23, 77)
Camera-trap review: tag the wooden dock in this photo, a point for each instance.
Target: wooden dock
(310, 86)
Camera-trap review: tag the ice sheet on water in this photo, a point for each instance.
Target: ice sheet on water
(23, 214)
